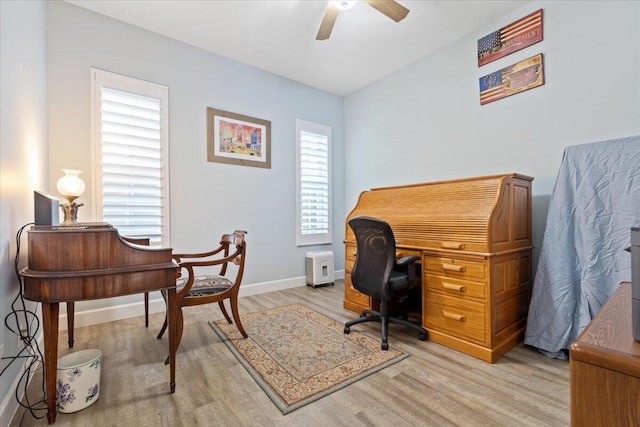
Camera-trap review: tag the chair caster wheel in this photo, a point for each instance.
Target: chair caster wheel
(347, 329)
(384, 346)
(422, 337)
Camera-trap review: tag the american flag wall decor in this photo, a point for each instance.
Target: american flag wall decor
(515, 36)
(517, 78)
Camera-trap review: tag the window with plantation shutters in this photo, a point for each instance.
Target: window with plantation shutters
(130, 123)
(313, 183)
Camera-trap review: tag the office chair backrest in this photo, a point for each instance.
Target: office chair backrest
(375, 256)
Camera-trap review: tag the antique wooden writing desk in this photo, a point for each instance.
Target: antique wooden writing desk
(91, 261)
(605, 367)
(474, 240)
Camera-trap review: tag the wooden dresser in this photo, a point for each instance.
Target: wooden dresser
(605, 367)
(474, 239)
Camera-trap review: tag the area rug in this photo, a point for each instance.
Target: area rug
(298, 355)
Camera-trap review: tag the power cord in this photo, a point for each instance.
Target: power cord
(30, 351)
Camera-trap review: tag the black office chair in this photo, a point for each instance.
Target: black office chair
(376, 273)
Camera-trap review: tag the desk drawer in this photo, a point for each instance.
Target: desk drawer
(350, 253)
(402, 252)
(455, 287)
(352, 295)
(456, 267)
(461, 318)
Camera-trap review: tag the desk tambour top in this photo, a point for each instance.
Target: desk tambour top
(488, 214)
(92, 261)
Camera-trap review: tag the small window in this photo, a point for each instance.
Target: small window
(130, 143)
(313, 183)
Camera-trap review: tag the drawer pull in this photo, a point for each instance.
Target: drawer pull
(451, 245)
(454, 287)
(454, 316)
(452, 267)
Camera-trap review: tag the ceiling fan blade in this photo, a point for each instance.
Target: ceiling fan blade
(329, 19)
(390, 8)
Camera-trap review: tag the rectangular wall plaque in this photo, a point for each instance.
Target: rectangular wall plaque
(517, 78)
(515, 36)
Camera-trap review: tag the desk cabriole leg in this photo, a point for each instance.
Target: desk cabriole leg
(50, 312)
(172, 317)
(71, 313)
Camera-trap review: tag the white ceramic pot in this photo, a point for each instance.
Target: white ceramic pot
(78, 382)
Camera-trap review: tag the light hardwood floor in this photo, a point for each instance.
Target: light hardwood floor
(435, 386)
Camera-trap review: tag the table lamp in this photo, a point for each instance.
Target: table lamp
(71, 187)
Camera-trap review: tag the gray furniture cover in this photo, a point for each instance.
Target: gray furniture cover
(595, 202)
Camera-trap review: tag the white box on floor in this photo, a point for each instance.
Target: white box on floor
(319, 266)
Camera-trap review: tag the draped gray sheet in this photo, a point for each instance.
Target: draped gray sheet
(595, 202)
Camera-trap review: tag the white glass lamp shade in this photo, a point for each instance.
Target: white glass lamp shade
(70, 185)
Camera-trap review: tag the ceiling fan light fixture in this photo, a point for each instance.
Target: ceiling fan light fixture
(343, 4)
(390, 8)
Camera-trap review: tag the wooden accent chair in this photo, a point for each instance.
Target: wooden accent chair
(194, 289)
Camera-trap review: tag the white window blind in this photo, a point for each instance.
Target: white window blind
(131, 155)
(314, 183)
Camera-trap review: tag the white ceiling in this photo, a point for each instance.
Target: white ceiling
(279, 35)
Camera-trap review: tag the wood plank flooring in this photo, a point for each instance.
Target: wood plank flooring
(435, 386)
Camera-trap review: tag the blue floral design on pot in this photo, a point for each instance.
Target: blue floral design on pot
(93, 391)
(64, 394)
(73, 373)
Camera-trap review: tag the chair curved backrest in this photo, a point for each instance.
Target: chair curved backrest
(375, 256)
(205, 288)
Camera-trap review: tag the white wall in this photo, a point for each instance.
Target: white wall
(23, 157)
(207, 199)
(425, 122)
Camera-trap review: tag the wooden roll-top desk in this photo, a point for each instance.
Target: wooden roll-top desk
(91, 261)
(474, 239)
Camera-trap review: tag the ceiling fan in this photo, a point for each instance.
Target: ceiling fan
(390, 8)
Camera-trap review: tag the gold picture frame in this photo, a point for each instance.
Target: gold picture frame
(237, 139)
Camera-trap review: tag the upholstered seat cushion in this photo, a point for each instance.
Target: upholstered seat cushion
(205, 285)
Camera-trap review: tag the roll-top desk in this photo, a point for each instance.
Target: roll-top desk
(91, 261)
(474, 239)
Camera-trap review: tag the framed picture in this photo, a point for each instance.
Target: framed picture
(237, 139)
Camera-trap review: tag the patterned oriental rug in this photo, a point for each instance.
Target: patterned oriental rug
(298, 355)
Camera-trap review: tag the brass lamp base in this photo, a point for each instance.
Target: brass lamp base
(70, 213)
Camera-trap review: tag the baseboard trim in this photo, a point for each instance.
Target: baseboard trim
(125, 311)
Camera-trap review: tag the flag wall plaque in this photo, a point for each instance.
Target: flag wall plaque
(515, 36)
(517, 78)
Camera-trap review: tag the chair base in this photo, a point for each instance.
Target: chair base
(379, 316)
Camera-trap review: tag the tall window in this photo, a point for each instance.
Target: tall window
(313, 183)
(130, 146)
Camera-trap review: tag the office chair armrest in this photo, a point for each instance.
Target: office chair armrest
(407, 259)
